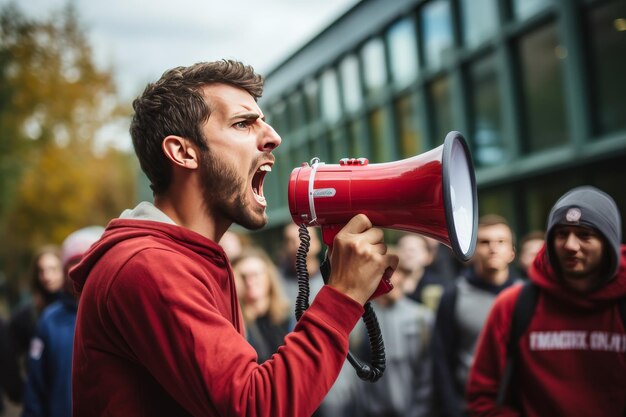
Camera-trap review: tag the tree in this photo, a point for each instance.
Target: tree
(53, 101)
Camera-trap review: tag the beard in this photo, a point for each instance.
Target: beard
(224, 193)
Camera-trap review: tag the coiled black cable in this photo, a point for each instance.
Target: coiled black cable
(302, 272)
(371, 373)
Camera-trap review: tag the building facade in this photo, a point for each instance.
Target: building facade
(537, 87)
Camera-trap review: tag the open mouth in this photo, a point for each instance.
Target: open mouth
(257, 183)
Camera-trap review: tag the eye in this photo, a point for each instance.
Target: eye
(244, 124)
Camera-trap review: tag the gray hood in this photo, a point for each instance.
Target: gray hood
(588, 206)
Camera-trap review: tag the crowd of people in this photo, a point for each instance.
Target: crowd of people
(170, 312)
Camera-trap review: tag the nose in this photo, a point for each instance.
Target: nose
(571, 242)
(270, 140)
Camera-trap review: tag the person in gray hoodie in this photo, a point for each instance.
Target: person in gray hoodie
(464, 308)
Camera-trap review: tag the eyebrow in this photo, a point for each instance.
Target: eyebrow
(247, 116)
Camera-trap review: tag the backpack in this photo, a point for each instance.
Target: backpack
(522, 314)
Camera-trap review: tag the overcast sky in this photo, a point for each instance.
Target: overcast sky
(140, 39)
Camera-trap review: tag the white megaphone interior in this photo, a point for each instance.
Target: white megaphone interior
(459, 195)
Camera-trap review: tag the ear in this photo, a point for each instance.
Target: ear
(512, 257)
(180, 151)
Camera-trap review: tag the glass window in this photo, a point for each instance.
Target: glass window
(331, 108)
(301, 153)
(441, 110)
(403, 52)
(408, 122)
(543, 192)
(337, 146)
(436, 32)
(480, 20)
(501, 201)
(311, 93)
(296, 110)
(485, 119)
(526, 8)
(610, 177)
(350, 83)
(540, 57)
(317, 147)
(377, 137)
(374, 66)
(358, 146)
(606, 27)
(279, 118)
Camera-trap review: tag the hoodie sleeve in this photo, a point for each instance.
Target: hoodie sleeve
(179, 335)
(490, 359)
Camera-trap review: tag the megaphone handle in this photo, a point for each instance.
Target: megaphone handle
(328, 236)
(371, 372)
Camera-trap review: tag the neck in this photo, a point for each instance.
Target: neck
(493, 276)
(257, 308)
(183, 203)
(582, 284)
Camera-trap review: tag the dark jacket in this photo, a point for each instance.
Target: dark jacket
(461, 316)
(48, 389)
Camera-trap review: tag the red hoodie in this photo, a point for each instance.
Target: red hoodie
(572, 355)
(159, 333)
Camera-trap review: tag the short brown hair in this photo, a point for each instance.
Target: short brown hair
(174, 105)
(493, 220)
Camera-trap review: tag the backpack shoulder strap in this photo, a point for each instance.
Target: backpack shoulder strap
(522, 314)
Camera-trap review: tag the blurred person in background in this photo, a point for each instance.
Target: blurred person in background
(405, 389)
(529, 247)
(266, 310)
(463, 311)
(48, 389)
(46, 282)
(291, 243)
(233, 243)
(570, 359)
(4, 354)
(444, 264)
(421, 284)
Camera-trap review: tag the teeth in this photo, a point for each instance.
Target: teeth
(266, 168)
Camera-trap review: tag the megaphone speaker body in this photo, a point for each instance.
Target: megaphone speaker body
(433, 194)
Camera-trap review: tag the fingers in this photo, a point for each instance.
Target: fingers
(361, 224)
(358, 224)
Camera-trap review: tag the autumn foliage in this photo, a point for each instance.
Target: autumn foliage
(54, 176)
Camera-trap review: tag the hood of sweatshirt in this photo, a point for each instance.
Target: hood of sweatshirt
(590, 207)
(145, 220)
(543, 274)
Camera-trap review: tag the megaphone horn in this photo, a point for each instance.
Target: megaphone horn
(433, 194)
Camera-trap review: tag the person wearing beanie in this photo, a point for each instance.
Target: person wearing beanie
(570, 359)
(48, 388)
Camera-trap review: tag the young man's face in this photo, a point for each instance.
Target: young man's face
(240, 145)
(413, 252)
(494, 248)
(579, 251)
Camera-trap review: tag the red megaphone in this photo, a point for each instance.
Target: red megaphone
(433, 194)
